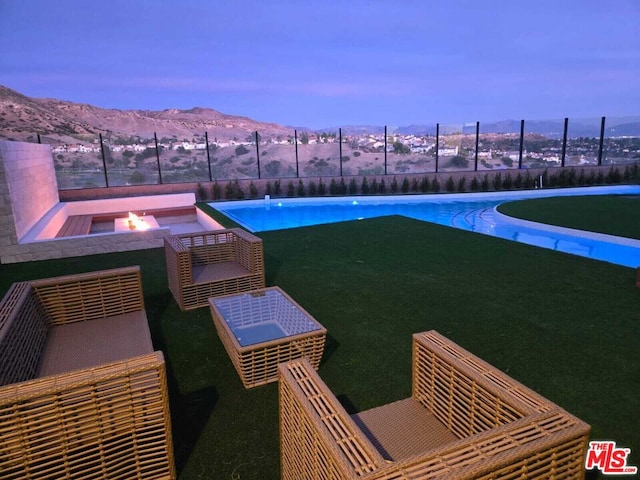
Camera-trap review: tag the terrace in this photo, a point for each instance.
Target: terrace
(40, 226)
(567, 329)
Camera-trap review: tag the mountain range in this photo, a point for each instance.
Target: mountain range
(614, 127)
(25, 118)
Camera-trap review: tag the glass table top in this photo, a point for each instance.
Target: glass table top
(263, 316)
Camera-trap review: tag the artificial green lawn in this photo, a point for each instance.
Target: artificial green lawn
(613, 214)
(563, 325)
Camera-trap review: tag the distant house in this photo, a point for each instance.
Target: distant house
(448, 151)
(184, 146)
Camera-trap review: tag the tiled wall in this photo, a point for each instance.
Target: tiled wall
(27, 184)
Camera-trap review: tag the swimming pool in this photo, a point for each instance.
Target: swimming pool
(475, 212)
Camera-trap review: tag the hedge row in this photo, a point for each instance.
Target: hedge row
(426, 184)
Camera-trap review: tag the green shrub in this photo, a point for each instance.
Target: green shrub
(241, 150)
(268, 189)
(232, 191)
(291, 189)
(394, 185)
(216, 191)
(614, 176)
(201, 192)
(300, 190)
(484, 185)
(356, 153)
(459, 162)
(518, 181)
(626, 175)
(450, 185)
(383, 187)
(507, 183)
(342, 187)
(425, 184)
(375, 188)
(528, 180)
(364, 187)
(462, 187)
(253, 190)
(322, 188)
(137, 178)
(313, 189)
(497, 181)
(277, 189)
(582, 178)
(353, 188)
(475, 184)
(435, 185)
(333, 187)
(405, 185)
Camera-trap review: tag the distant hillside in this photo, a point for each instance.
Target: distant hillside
(629, 126)
(57, 121)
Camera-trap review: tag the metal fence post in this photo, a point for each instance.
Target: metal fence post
(258, 152)
(437, 144)
(340, 149)
(564, 141)
(477, 142)
(385, 149)
(295, 142)
(206, 139)
(104, 162)
(521, 144)
(601, 146)
(155, 137)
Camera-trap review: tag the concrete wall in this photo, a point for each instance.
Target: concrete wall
(28, 187)
(87, 245)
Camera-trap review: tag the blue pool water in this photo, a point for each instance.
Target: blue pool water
(475, 212)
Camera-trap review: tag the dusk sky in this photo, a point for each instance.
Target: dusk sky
(329, 63)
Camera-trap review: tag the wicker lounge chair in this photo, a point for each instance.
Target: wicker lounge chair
(208, 264)
(82, 392)
(464, 420)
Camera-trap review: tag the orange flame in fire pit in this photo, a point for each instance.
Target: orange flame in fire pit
(137, 223)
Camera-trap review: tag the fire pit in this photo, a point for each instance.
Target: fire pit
(135, 223)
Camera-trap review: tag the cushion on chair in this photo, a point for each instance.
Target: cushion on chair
(402, 429)
(82, 344)
(217, 271)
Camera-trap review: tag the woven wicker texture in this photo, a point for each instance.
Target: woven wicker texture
(23, 333)
(210, 264)
(298, 334)
(107, 421)
(526, 436)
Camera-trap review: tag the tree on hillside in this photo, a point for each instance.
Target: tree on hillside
(399, 147)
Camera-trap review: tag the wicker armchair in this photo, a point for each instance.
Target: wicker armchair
(82, 393)
(464, 420)
(209, 264)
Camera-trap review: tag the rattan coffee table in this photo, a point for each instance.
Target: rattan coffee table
(262, 328)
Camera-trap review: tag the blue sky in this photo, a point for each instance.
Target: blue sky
(329, 63)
